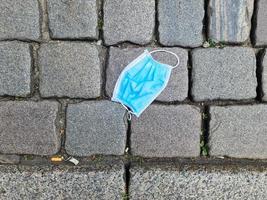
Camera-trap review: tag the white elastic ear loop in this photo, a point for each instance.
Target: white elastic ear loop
(174, 54)
(129, 113)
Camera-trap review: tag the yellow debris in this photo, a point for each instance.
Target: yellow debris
(57, 158)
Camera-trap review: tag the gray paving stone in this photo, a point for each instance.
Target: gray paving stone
(230, 21)
(228, 73)
(25, 182)
(29, 127)
(127, 20)
(95, 127)
(180, 22)
(19, 20)
(167, 131)
(239, 131)
(177, 88)
(199, 183)
(9, 159)
(69, 69)
(15, 69)
(73, 19)
(261, 24)
(264, 77)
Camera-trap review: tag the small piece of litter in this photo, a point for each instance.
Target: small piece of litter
(57, 158)
(206, 44)
(126, 150)
(73, 160)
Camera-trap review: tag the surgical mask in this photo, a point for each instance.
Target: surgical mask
(142, 81)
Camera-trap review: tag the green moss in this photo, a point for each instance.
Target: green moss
(100, 24)
(213, 44)
(28, 157)
(124, 196)
(2, 191)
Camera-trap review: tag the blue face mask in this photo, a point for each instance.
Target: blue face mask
(141, 82)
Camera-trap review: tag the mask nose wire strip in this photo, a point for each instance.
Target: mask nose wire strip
(166, 51)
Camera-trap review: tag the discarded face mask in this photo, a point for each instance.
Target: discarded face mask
(141, 82)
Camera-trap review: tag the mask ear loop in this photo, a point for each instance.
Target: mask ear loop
(129, 113)
(166, 51)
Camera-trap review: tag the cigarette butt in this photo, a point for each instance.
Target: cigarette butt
(57, 158)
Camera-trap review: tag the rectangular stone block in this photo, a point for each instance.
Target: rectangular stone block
(73, 19)
(230, 21)
(15, 69)
(228, 73)
(29, 127)
(261, 24)
(19, 20)
(198, 183)
(167, 131)
(25, 182)
(177, 88)
(95, 127)
(239, 131)
(127, 20)
(69, 69)
(181, 22)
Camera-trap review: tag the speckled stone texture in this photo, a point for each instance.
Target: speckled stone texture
(228, 73)
(95, 127)
(29, 127)
(127, 20)
(181, 22)
(167, 131)
(264, 77)
(19, 20)
(261, 25)
(15, 69)
(238, 131)
(24, 182)
(198, 183)
(73, 19)
(230, 21)
(69, 69)
(177, 87)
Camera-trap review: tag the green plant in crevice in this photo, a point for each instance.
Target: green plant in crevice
(213, 44)
(100, 24)
(124, 196)
(2, 190)
(28, 157)
(203, 147)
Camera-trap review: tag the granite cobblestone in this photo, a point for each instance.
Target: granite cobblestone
(20, 20)
(198, 183)
(167, 131)
(96, 127)
(73, 19)
(23, 182)
(238, 131)
(224, 74)
(70, 69)
(15, 69)
(29, 127)
(230, 21)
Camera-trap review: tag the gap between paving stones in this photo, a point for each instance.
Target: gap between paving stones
(254, 24)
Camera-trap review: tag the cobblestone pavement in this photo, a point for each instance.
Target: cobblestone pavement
(205, 136)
